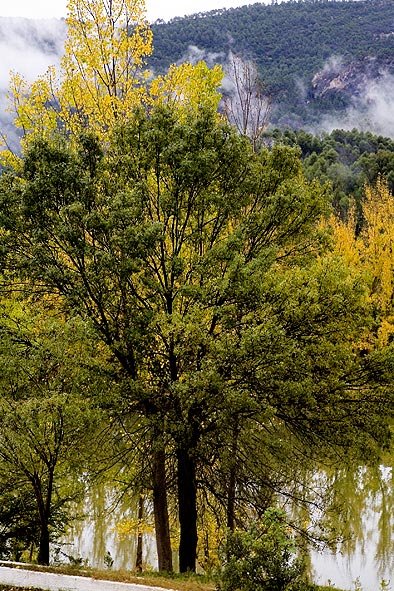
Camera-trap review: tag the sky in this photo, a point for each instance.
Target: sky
(164, 9)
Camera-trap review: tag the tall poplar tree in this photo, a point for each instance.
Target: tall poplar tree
(368, 245)
(101, 75)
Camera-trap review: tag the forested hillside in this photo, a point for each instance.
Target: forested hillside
(313, 56)
(348, 160)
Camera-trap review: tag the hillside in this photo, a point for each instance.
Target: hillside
(315, 57)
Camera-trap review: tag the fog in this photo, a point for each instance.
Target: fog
(372, 110)
(195, 54)
(29, 46)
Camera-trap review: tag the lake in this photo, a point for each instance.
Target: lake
(365, 555)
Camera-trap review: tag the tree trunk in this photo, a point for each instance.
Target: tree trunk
(232, 481)
(43, 549)
(187, 499)
(138, 558)
(44, 511)
(231, 499)
(160, 507)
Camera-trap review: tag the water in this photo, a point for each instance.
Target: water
(363, 563)
(92, 538)
(366, 555)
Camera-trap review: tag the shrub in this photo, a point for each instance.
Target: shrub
(264, 558)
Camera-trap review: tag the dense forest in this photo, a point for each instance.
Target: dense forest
(291, 42)
(348, 160)
(196, 311)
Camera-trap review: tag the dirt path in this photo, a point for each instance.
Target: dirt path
(54, 582)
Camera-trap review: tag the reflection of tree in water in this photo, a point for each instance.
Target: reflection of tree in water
(107, 509)
(98, 504)
(92, 537)
(384, 506)
(352, 514)
(358, 497)
(348, 508)
(358, 511)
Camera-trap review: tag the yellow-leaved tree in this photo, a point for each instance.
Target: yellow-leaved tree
(105, 49)
(188, 87)
(101, 81)
(372, 252)
(101, 77)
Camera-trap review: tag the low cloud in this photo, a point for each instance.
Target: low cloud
(372, 110)
(195, 54)
(333, 65)
(29, 46)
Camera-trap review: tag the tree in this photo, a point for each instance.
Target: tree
(200, 264)
(102, 69)
(367, 244)
(245, 101)
(101, 77)
(46, 423)
(19, 530)
(263, 558)
(188, 87)
(121, 315)
(101, 81)
(376, 242)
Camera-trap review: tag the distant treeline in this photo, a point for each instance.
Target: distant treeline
(348, 160)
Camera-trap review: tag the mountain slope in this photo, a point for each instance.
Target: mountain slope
(291, 43)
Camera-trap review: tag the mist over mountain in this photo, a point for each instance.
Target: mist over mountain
(324, 63)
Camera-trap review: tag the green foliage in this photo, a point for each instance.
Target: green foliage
(46, 420)
(347, 160)
(19, 527)
(264, 558)
(203, 271)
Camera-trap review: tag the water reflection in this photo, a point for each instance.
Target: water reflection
(366, 501)
(96, 535)
(365, 498)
